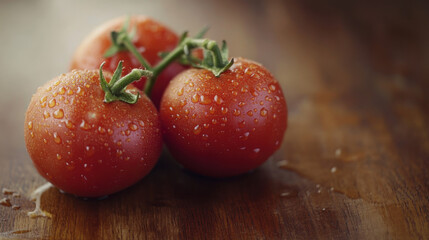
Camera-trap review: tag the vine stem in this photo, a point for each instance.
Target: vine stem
(189, 44)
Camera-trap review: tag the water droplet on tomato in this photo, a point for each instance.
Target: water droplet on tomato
(84, 125)
(59, 114)
(89, 150)
(46, 115)
(224, 110)
(256, 150)
(195, 98)
(250, 113)
(101, 130)
(269, 99)
(264, 112)
(109, 131)
(205, 100)
(62, 91)
(244, 90)
(69, 124)
(235, 93)
(70, 92)
(197, 130)
(30, 125)
(52, 103)
(224, 119)
(132, 127)
(119, 143)
(59, 156)
(272, 87)
(236, 112)
(218, 99)
(241, 104)
(180, 92)
(45, 141)
(57, 138)
(32, 134)
(43, 99)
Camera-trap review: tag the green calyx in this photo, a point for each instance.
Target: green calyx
(115, 90)
(215, 58)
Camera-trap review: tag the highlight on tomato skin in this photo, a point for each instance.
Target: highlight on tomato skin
(225, 126)
(151, 38)
(85, 146)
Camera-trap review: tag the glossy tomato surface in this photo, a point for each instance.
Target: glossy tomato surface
(224, 126)
(87, 147)
(151, 38)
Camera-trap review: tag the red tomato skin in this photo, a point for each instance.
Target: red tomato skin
(151, 38)
(226, 126)
(87, 147)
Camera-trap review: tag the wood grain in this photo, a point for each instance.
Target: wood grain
(354, 161)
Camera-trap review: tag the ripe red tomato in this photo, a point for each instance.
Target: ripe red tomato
(87, 147)
(151, 38)
(223, 126)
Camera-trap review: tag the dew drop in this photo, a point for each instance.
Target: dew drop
(101, 130)
(235, 93)
(45, 141)
(212, 110)
(59, 114)
(57, 138)
(57, 83)
(32, 134)
(180, 92)
(272, 87)
(224, 110)
(218, 99)
(250, 113)
(197, 130)
(59, 156)
(30, 125)
(224, 119)
(69, 124)
(263, 112)
(242, 124)
(241, 104)
(256, 150)
(244, 90)
(43, 99)
(62, 91)
(141, 123)
(46, 115)
(205, 100)
(236, 112)
(109, 131)
(195, 98)
(84, 125)
(119, 152)
(69, 92)
(132, 127)
(52, 103)
(89, 151)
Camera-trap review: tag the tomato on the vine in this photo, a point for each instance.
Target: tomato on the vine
(227, 125)
(150, 39)
(88, 147)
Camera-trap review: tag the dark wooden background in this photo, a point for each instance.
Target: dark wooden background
(354, 161)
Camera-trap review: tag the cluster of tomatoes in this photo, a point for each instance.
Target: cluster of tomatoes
(216, 124)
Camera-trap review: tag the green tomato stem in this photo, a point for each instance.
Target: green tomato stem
(126, 80)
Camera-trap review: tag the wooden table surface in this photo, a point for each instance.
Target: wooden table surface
(354, 160)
